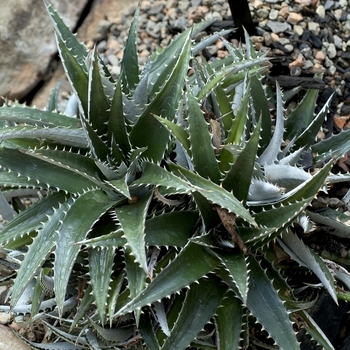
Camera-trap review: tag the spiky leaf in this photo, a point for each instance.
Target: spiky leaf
(202, 299)
(132, 220)
(90, 205)
(100, 265)
(191, 264)
(265, 304)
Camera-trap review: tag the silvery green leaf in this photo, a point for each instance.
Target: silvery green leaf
(261, 190)
(274, 147)
(339, 272)
(299, 252)
(286, 176)
(339, 223)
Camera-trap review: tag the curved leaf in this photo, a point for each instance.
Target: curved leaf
(192, 263)
(80, 217)
(265, 304)
(228, 322)
(43, 244)
(61, 136)
(294, 124)
(99, 104)
(74, 162)
(167, 90)
(117, 122)
(130, 64)
(214, 193)
(171, 229)
(32, 116)
(236, 266)
(43, 172)
(201, 301)
(202, 150)
(299, 252)
(32, 218)
(335, 146)
(239, 177)
(100, 269)
(132, 220)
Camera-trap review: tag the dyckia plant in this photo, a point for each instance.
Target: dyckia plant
(159, 208)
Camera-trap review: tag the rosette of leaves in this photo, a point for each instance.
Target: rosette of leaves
(162, 202)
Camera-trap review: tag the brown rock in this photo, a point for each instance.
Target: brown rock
(320, 56)
(275, 38)
(284, 12)
(9, 341)
(341, 121)
(27, 42)
(299, 62)
(294, 18)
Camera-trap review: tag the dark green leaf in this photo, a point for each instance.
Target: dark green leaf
(265, 304)
(132, 220)
(192, 263)
(202, 299)
(202, 149)
(228, 321)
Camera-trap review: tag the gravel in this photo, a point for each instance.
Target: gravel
(305, 36)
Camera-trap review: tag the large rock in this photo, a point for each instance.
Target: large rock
(27, 42)
(8, 341)
(87, 32)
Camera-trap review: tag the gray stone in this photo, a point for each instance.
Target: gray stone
(338, 42)
(307, 65)
(306, 51)
(278, 27)
(295, 71)
(321, 11)
(328, 5)
(343, 3)
(262, 13)
(331, 51)
(27, 42)
(267, 38)
(314, 27)
(155, 9)
(332, 70)
(289, 48)
(273, 15)
(338, 14)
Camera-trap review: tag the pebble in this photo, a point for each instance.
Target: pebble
(314, 27)
(262, 13)
(321, 12)
(273, 15)
(331, 50)
(338, 42)
(267, 38)
(294, 18)
(5, 317)
(278, 27)
(298, 30)
(320, 56)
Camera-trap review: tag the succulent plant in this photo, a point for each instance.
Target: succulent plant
(162, 213)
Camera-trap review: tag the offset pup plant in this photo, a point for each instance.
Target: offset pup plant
(161, 209)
